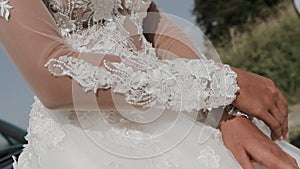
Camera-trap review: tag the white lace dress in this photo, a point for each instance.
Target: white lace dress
(163, 136)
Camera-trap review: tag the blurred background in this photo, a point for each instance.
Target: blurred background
(262, 36)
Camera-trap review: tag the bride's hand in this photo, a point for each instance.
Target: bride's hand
(259, 97)
(247, 143)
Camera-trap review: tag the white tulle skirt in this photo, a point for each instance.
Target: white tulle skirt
(93, 140)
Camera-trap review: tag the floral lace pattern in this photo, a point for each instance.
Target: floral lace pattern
(76, 15)
(44, 134)
(168, 84)
(88, 76)
(25, 163)
(179, 84)
(208, 158)
(120, 133)
(4, 9)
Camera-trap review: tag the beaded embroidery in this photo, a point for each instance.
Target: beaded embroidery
(4, 9)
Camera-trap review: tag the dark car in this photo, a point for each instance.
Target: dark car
(11, 143)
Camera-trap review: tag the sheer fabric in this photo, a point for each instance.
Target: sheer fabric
(95, 49)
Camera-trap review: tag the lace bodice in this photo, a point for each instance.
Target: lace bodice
(73, 16)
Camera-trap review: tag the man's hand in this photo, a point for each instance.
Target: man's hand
(259, 97)
(247, 143)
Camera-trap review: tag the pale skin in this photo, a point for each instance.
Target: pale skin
(258, 96)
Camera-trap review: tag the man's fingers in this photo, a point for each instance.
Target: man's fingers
(274, 125)
(281, 120)
(278, 115)
(273, 157)
(285, 130)
(282, 105)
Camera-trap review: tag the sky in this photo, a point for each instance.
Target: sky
(15, 95)
(297, 4)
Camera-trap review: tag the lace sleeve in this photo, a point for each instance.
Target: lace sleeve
(179, 84)
(4, 9)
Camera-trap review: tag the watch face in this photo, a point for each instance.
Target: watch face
(297, 6)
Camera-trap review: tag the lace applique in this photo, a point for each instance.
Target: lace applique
(179, 84)
(208, 158)
(137, 5)
(27, 159)
(110, 39)
(44, 127)
(77, 15)
(121, 134)
(88, 76)
(4, 9)
(44, 134)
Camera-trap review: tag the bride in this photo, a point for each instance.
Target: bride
(119, 86)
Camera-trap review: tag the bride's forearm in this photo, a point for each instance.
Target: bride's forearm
(30, 39)
(147, 83)
(64, 92)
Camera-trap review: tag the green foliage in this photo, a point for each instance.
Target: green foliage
(217, 17)
(273, 52)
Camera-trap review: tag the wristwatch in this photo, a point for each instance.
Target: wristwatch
(230, 112)
(233, 111)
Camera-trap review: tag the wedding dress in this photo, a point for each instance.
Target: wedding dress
(157, 100)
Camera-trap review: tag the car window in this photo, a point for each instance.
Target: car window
(3, 143)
